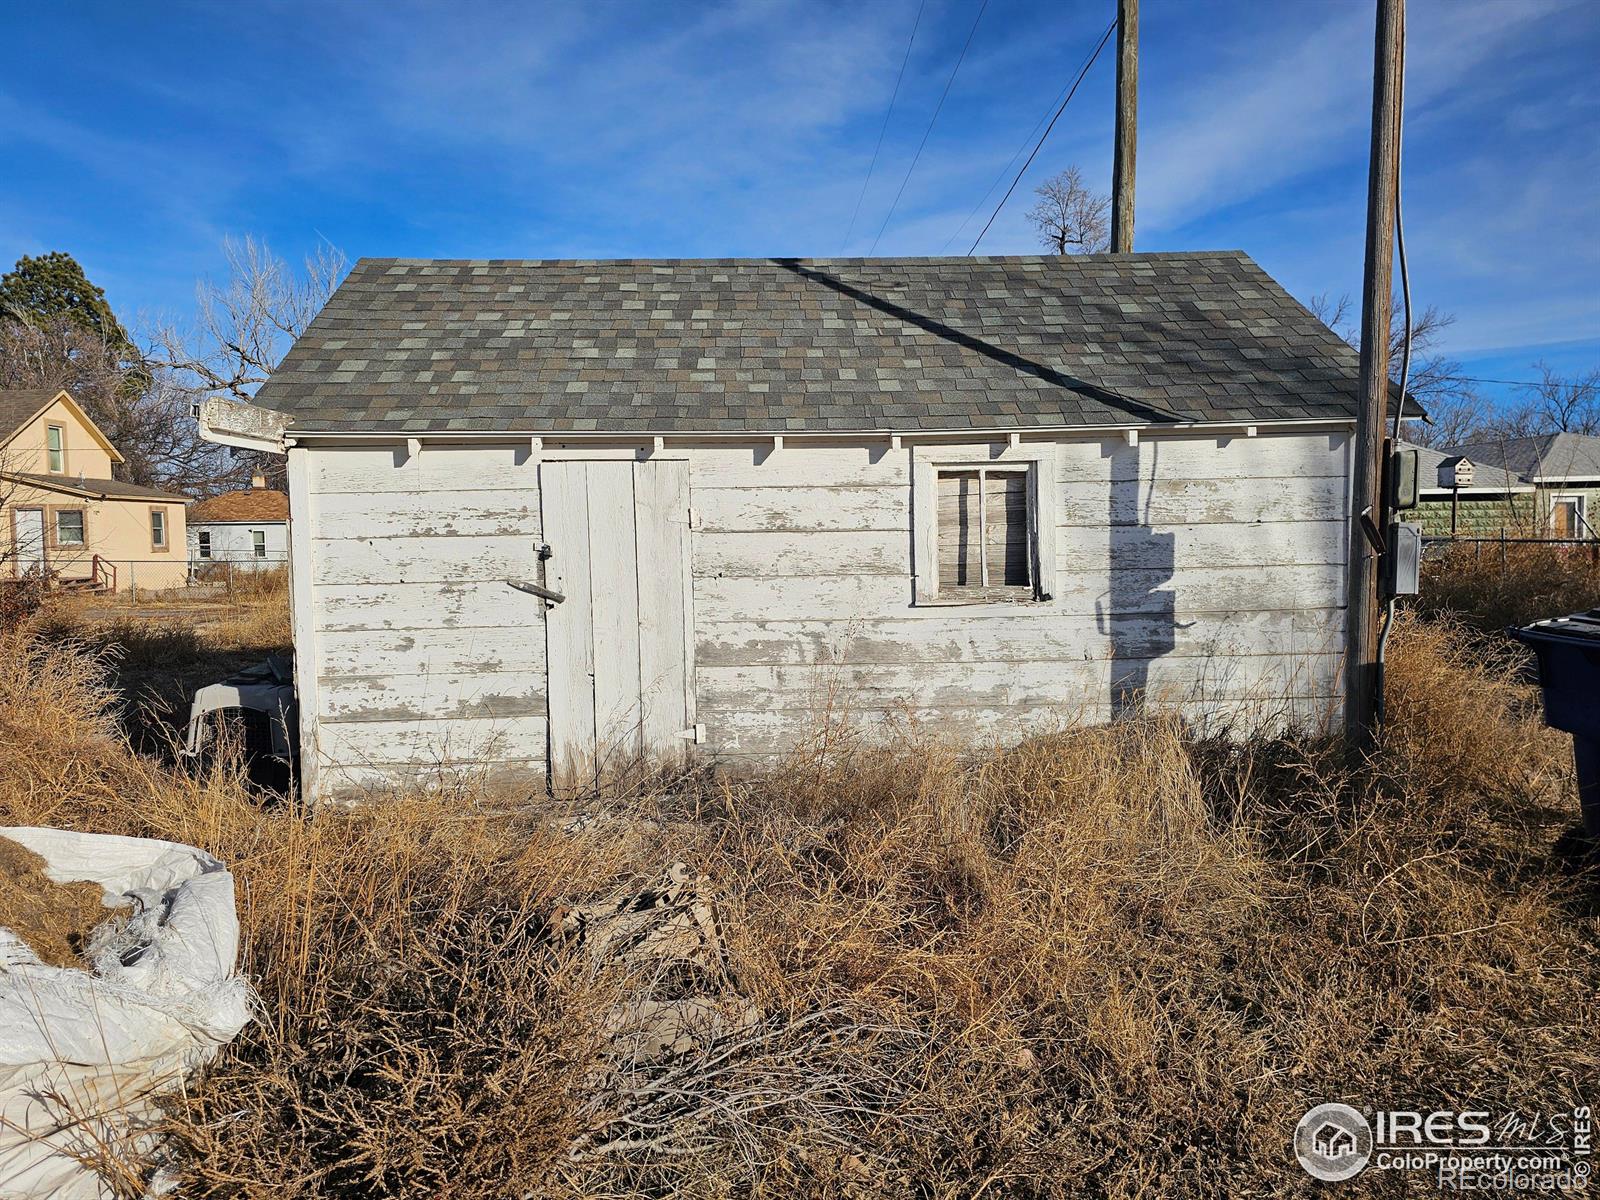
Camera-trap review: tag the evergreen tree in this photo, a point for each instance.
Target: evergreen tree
(52, 287)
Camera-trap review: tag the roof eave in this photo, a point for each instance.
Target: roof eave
(293, 436)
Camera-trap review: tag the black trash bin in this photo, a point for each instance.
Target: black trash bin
(1569, 674)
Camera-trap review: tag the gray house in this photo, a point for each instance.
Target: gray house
(546, 515)
(1564, 470)
(1456, 495)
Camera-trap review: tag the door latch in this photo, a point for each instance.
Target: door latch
(534, 589)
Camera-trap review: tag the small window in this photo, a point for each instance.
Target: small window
(202, 543)
(69, 526)
(258, 542)
(56, 449)
(1566, 517)
(158, 529)
(984, 545)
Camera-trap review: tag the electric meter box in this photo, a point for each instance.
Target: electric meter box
(1402, 565)
(1400, 480)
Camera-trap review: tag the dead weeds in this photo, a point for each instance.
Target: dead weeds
(1113, 961)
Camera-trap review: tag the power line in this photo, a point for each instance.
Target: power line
(931, 122)
(1508, 382)
(1006, 170)
(1073, 91)
(885, 127)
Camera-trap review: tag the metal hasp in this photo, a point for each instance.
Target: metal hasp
(1569, 676)
(534, 589)
(548, 595)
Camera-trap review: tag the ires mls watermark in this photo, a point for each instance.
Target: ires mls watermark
(1462, 1150)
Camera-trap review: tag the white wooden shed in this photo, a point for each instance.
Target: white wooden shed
(984, 495)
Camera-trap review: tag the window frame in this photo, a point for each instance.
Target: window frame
(258, 543)
(165, 544)
(202, 544)
(58, 452)
(1579, 516)
(53, 524)
(1039, 462)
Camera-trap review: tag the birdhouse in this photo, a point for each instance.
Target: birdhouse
(1456, 473)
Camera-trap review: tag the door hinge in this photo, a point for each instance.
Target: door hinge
(695, 734)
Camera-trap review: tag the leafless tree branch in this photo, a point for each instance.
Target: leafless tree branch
(1069, 218)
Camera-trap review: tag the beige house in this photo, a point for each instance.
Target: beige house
(64, 517)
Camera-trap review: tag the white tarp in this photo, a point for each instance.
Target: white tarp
(83, 1055)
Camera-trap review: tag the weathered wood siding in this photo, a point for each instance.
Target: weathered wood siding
(427, 663)
(1207, 570)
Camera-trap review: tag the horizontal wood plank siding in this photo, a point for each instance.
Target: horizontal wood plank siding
(1208, 570)
(431, 662)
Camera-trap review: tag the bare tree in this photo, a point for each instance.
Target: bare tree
(1561, 405)
(244, 327)
(1069, 218)
(242, 330)
(1455, 411)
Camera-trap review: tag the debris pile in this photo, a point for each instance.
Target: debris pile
(97, 1018)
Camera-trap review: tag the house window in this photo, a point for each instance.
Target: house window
(983, 526)
(983, 531)
(202, 543)
(158, 529)
(55, 449)
(258, 542)
(1567, 517)
(69, 526)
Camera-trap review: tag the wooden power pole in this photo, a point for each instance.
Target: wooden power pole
(1367, 515)
(1122, 169)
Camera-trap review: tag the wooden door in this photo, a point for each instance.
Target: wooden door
(619, 648)
(1564, 517)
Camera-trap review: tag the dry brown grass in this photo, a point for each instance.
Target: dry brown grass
(1109, 962)
(52, 919)
(1493, 587)
(156, 657)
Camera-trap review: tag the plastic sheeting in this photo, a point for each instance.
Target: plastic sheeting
(84, 1054)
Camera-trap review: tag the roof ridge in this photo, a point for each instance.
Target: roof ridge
(950, 259)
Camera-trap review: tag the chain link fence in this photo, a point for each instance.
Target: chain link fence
(170, 577)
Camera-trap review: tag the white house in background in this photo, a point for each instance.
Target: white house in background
(248, 530)
(550, 513)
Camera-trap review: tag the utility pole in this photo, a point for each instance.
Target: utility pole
(1122, 168)
(1367, 515)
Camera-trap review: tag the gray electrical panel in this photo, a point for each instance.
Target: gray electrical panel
(1402, 566)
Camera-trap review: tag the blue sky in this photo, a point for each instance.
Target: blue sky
(137, 136)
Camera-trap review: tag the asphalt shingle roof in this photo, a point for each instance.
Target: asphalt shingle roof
(18, 404)
(253, 504)
(1484, 477)
(105, 489)
(794, 345)
(1550, 456)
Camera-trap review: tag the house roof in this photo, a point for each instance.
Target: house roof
(1484, 478)
(100, 489)
(254, 504)
(1553, 456)
(820, 345)
(18, 406)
